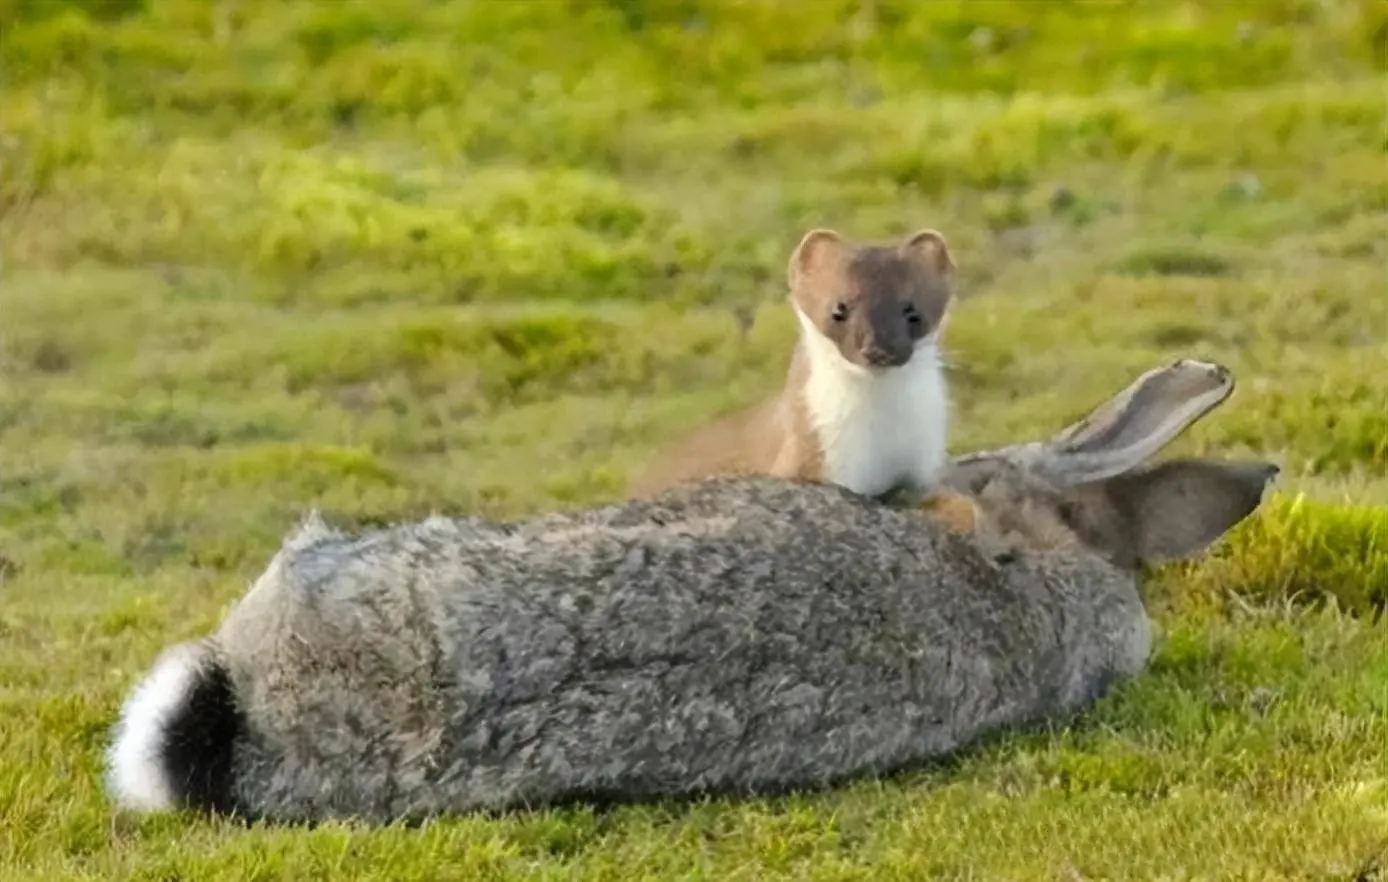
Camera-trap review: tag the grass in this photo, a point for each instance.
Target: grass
(390, 258)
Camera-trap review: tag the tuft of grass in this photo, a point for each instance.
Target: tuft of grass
(1172, 261)
(1306, 550)
(386, 259)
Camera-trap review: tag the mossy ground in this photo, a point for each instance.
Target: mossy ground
(387, 258)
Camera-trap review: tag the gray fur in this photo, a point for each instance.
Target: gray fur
(740, 635)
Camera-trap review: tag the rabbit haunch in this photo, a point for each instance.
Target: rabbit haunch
(865, 403)
(741, 635)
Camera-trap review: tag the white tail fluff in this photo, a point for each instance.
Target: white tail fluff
(137, 773)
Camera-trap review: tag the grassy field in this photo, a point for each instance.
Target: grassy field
(393, 257)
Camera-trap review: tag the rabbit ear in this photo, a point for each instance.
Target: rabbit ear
(1176, 509)
(1123, 432)
(1115, 437)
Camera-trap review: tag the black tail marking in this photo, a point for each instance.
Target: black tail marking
(200, 737)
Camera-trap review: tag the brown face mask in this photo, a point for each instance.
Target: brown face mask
(874, 302)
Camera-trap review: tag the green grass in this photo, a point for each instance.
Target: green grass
(392, 258)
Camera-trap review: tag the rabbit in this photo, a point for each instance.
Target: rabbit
(736, 636)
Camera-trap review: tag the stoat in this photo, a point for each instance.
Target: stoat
(865, 403)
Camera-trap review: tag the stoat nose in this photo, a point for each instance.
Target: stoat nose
(879, 357)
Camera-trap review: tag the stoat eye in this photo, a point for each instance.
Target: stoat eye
(840, 311)
(913, 315)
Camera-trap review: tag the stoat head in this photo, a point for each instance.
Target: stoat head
(875, 303)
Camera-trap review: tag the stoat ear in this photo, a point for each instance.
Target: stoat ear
(815, 251)
(929, 247)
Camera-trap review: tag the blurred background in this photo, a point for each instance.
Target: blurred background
(484, 256)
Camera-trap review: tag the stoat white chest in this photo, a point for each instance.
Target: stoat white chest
(876, 431)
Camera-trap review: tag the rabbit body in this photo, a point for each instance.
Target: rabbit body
(744, 635)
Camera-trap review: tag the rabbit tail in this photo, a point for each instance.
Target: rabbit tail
(174, 745)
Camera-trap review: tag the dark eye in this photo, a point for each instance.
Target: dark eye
(913, 315)
(840, 312)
